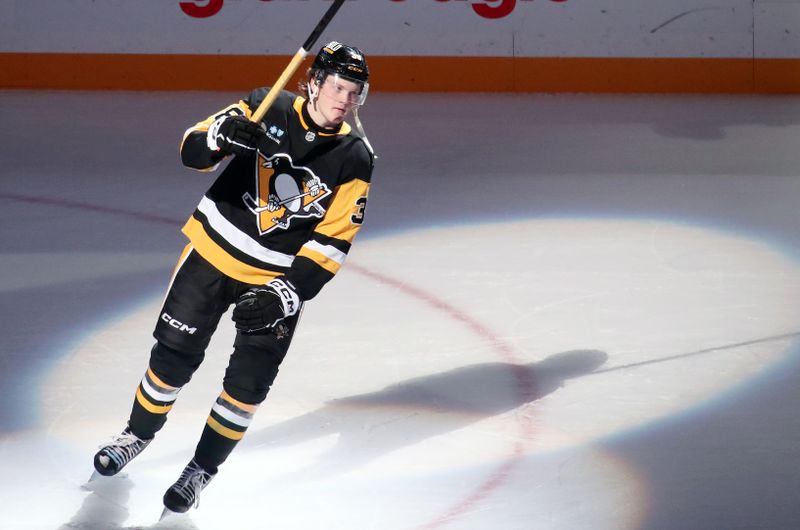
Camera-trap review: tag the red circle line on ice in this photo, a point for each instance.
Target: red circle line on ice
(524, 386)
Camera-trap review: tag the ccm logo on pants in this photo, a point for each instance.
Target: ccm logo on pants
(177, 324)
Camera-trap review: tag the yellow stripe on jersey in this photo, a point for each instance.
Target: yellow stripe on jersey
(203, 126)
(155, 409)
(248, 112)
(320, 259)
(338, 221)
(224, 431)
(221, 260)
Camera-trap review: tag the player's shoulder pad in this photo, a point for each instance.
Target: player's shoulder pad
(283, 101)
(361, 147)
(365, 151)
(359, 160)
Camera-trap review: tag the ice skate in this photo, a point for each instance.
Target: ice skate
(185, 493)
(112, 457)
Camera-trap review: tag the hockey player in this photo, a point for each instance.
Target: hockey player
(272, 229)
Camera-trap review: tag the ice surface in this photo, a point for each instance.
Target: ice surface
(563, 312)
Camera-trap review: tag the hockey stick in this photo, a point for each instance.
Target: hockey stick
(294, 64)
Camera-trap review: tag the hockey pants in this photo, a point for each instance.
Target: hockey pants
(197, 298)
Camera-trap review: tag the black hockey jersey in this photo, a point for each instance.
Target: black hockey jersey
(292, 209)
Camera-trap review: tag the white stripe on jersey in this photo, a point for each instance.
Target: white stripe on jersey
(328, 251)
(239, 239)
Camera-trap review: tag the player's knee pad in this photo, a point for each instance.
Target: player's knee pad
(251, 372)
(172, 366)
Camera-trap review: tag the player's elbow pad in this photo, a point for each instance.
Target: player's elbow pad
(196, 154)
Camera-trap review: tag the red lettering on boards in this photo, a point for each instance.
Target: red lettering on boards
(501, 10)
(490, 9)
(201, 8)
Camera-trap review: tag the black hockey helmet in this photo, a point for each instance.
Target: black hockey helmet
(346, 61)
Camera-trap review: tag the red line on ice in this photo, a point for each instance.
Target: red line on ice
(506, 353)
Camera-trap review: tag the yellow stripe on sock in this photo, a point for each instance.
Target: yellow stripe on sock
(224, 431)
(244, 406)
(158, 381)
(155, 409)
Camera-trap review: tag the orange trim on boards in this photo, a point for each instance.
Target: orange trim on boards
(405, 73)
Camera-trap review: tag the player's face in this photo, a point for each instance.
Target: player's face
(337, 97)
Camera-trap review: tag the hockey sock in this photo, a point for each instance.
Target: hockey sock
(154, 399)
(226, 425)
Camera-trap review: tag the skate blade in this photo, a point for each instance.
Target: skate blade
(88, 484)
(167, 513)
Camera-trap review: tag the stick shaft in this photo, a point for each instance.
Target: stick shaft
(296, 61)
(276, 88)
(323, 23)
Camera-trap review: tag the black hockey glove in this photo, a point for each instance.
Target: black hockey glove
(234, 135)
(262, 308)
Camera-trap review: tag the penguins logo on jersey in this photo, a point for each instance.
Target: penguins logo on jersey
(283, 192)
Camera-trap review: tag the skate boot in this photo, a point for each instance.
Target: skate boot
(112, 457)
(185, 493)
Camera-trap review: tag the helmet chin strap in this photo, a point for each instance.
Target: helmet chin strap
(313, 94)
